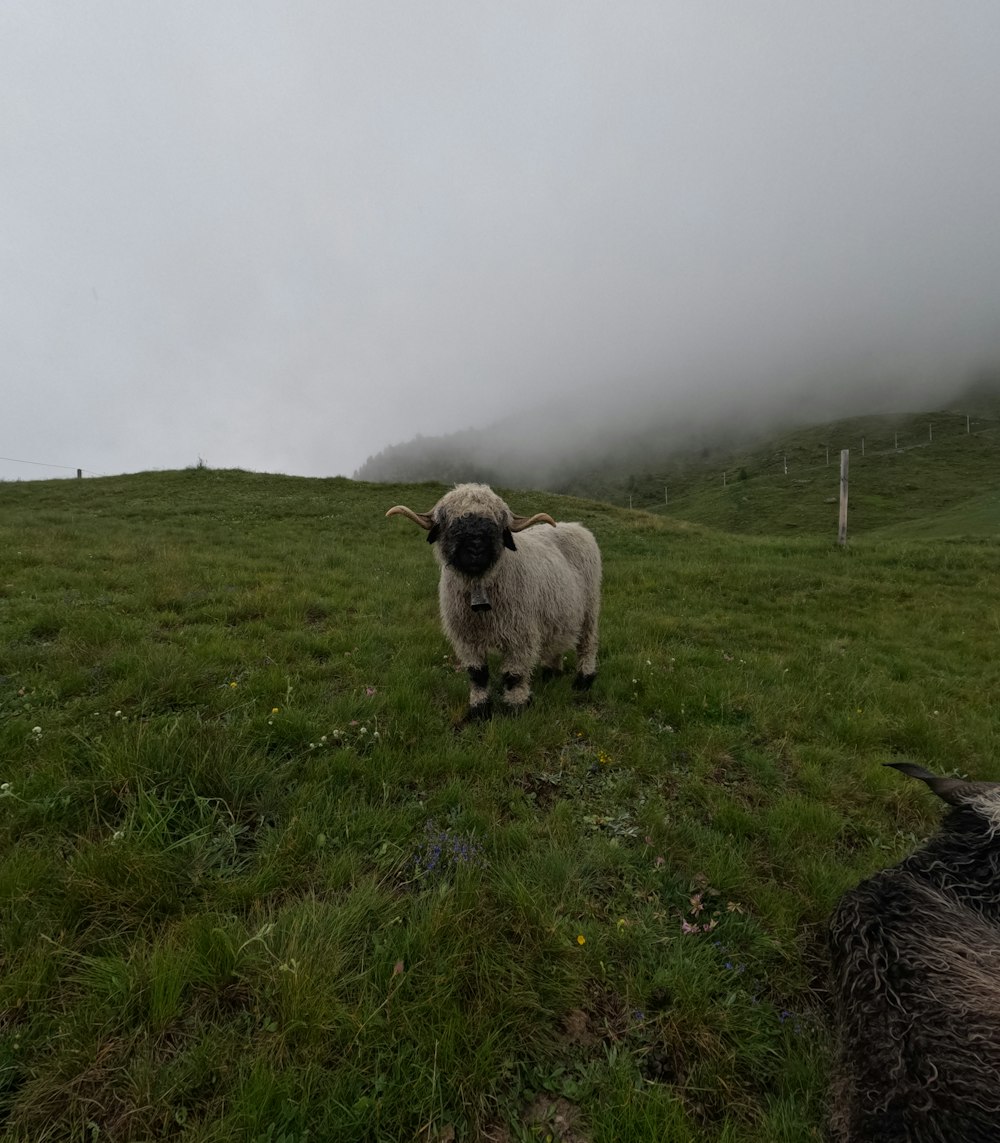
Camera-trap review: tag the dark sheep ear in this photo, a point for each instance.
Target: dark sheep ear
(434, 533)
(954, 791)
(508, 540)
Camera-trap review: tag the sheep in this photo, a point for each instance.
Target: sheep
(532, 601)
(915, 953)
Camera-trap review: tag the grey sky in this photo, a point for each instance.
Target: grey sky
(283, 235)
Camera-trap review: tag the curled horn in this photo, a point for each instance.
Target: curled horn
(424, 519)
(954, 791)
(519, 523)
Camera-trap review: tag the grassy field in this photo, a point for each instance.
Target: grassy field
(908, 466)
(257, 884)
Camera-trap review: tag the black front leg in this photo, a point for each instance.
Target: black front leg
(516, 692)
(479, 693)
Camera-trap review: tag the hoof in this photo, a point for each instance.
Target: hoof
(583, 682)
(478, 713)
(516, 708)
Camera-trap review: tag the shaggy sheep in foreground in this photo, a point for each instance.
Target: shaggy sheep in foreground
(532, 600)
(916, 976)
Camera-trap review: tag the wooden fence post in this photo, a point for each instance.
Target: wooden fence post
(842, 530)
(79, 474)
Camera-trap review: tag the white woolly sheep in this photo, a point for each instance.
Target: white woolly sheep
(532, 601)
(916, 977)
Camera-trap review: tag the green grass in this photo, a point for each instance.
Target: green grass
(951, 475)
(971, 518)
(255, 883)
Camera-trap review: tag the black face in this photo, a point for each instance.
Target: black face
(473, 544)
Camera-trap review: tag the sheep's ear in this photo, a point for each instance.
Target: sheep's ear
(519, 523)
(434, 533)
(954, 791)
(508, 540)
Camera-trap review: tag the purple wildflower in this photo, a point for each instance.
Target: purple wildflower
(443, 850)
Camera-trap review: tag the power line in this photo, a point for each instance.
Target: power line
(42, 464)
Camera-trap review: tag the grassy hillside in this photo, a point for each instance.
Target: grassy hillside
(901, 470)
(969, 518)
(750, 467)
(256, 883)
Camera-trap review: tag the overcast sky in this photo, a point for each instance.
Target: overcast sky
(281, 235)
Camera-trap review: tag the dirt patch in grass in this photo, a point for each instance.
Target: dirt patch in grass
(556, 1117)
(578, 1029)
(542, 789)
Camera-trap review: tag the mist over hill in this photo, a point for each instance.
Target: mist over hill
(567, 447)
